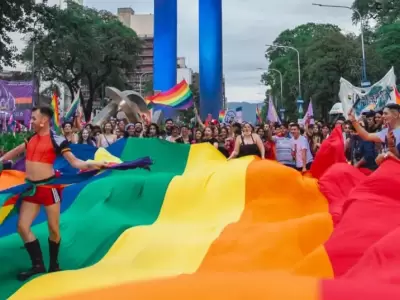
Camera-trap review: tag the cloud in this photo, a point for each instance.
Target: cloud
(247, 26)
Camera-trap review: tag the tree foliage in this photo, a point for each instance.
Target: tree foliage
(285, 60)
(81, 46)
(327, 55)
(15, 16)
(388, 45)
(383, 11)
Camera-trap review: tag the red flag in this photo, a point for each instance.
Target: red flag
(331, 152)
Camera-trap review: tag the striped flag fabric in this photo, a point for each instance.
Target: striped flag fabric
(272, 115)
(221, 116)
(258, 115)
(216, 229)
(72, 111)
(56, 113)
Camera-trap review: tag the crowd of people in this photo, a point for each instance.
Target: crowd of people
(367, 142)
(294, 145)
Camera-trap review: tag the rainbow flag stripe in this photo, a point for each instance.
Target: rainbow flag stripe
(179, 97)
(56, 115)
(221, 116)
(258, 115)
(207, 228)
(71, 113)
(397, 95)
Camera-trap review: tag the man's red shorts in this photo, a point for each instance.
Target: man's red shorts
(45, 196)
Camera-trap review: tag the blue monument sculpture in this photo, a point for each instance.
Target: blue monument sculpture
(210, 51)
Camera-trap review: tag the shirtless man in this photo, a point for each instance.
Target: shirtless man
(41, 151)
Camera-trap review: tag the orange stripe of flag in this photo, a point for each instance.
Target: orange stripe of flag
(23, 100)
(279, 228)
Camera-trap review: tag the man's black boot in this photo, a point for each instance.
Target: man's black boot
(53, 250)
(35, 253)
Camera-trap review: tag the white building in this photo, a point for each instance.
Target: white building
(143, 25)
(183, 72)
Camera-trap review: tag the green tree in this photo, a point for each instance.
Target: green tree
(285, 60)
(15, 16)
(82, 46)
(383, 11)
(388, 45)
(148, 88)
(330, 58)
(264, 111)
(326, 56)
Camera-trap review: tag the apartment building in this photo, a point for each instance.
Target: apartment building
(143, 25)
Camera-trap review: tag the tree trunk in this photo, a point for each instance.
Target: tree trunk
(71, 91)
(86, 114)
(89, 106)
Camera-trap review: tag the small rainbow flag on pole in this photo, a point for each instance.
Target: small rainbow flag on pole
(56, 116)
(179, 97)
(71, 113)
(397, 95)
(258, 115)
(221, 116)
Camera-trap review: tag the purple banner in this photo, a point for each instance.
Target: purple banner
(16, 98)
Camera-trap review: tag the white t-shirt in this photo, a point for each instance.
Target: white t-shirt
(383, 134)
(298, 145)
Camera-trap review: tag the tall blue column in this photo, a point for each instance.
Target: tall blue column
(210, 54)
(165, 45)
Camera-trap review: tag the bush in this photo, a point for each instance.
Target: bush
(9, 141)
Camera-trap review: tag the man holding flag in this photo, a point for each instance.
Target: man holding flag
(41, 151)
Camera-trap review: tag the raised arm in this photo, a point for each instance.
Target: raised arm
(14, 153)
(235, 152)
(362, 133)
(196, 113)
(80, 164)
(260, 145)
(98, 140)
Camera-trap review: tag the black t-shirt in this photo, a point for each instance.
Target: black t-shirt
(181, 141)
(212, 141)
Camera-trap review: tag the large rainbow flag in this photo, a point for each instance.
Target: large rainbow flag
(179, 97)
(199, 227)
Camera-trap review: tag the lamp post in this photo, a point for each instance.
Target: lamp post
(281, 79)
(298, 62)
(281, 82)
(364, 80)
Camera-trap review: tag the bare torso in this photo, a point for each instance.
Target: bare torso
(37, 171)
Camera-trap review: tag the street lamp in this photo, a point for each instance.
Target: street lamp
(298, 62)
(364, 81)
(281, 81)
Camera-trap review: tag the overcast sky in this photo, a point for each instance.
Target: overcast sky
(247, 26)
